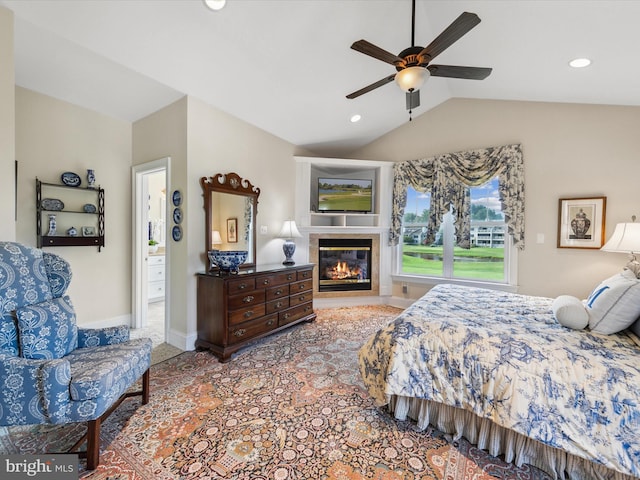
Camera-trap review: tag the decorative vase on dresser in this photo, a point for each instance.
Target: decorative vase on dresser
(236, 309)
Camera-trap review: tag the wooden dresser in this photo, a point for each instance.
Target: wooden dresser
(234, 309)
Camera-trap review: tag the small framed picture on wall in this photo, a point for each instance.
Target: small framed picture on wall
(232, 230)
(581, 222)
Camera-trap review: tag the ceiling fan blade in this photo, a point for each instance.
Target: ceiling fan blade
(454, 71)
(378, 53)
(460, 26)
(373, 86)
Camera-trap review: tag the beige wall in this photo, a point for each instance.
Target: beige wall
(7, 127)
(53, 137)
(569, 151)
(164, 134)
(203, 141)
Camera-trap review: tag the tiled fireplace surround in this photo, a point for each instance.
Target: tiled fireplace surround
(375, 264)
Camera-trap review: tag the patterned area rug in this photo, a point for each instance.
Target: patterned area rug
(290, 406)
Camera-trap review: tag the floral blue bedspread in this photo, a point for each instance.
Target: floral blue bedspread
(504, 357)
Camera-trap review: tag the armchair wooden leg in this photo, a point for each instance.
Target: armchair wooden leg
(92, 437)
(93, 443)
(145, 387)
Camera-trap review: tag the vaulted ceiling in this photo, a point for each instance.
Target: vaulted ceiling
(285, 66)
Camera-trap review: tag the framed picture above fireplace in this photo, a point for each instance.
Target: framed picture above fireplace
(337, 194)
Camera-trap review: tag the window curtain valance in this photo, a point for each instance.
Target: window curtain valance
(448, 178)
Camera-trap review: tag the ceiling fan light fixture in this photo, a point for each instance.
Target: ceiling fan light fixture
(355, 118)
(410, 79)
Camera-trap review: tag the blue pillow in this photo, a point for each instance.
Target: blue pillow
(48, 329)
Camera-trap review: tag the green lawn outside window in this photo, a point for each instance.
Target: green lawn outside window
(483, 263)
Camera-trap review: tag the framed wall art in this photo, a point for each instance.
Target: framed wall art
(232, 230)
(581, 222)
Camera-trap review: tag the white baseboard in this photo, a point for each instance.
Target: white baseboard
(182, 341)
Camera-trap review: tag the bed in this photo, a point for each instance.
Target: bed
(499, 369)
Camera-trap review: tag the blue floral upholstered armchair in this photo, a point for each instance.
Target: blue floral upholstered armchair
(51, 371)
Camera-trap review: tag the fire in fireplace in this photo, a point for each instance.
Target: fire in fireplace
(344, 264)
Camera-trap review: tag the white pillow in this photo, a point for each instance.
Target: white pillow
(570, 312)
(614, 304)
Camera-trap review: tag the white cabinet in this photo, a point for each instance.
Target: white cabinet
(155, 278)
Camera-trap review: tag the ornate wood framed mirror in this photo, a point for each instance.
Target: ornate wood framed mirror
(231, 207)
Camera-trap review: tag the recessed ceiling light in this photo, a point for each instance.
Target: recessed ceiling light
(215, 4)
(355, 118)
(580, 62)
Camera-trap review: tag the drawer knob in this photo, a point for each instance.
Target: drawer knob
(248, 314)
(289, 277)
(278, 292)
(302, 298)
(242, 286)
(271, 322)
(240, 332)
(248, 299)
(302, 286)
(286, 315)
(279, 304)
(266, 281)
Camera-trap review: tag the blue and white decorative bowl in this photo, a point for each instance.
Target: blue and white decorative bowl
(227, 260)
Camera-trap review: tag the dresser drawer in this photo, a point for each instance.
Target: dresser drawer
(242, 332)
(155, 273)
(241, 285)
(277, 305)
(302, 286)
(245, 299)
(300, 298)
(271, 279)
(155, 260)
(155, 289)
(246, 314)
(305, 274)
(277, 292)
(294, 313)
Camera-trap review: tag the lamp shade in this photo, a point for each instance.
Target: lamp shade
(289, 230)
(410, 79)
(216, 239)
(625, 239)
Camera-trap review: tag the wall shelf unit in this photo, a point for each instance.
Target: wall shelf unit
(73, 214)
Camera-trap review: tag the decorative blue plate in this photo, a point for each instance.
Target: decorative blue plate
(52, 204)
(177, 215)
(177, 198)
(176, 233)
(71, 179)
(89, 208)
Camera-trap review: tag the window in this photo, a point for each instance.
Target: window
(484, 261)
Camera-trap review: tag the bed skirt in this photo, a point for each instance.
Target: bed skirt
(486, 435)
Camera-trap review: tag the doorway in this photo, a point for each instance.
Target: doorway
(151, 250)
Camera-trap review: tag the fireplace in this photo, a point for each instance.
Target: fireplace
(344, 264)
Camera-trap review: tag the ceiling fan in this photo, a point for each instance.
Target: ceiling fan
(413, 64)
